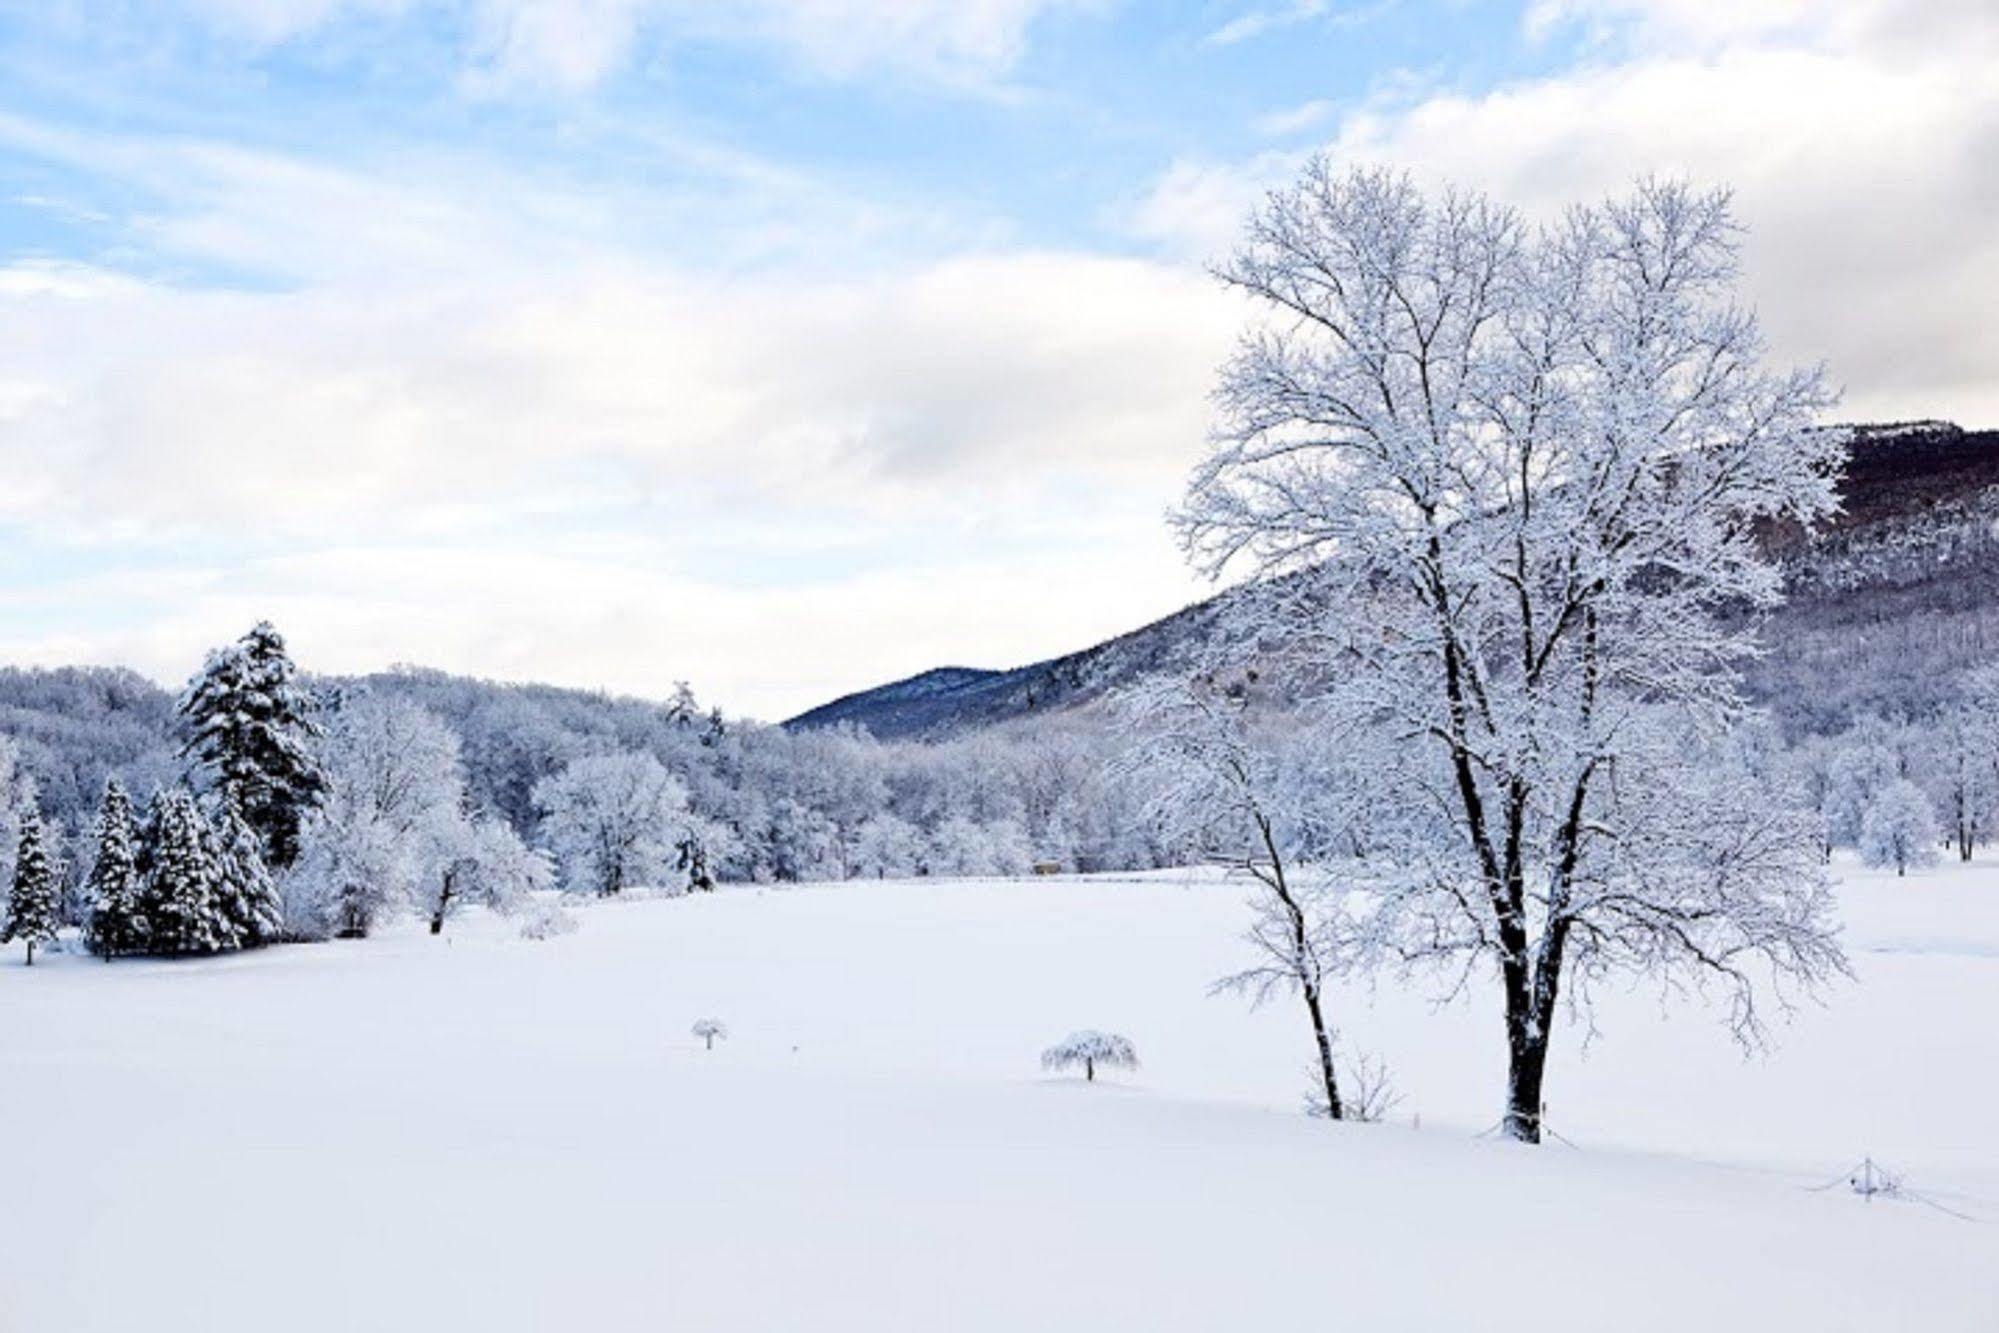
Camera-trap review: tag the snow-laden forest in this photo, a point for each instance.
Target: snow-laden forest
(420, 765)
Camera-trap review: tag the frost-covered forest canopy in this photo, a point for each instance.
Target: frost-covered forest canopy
(836, 803)
(753, 802)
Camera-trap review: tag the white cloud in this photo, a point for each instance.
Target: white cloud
(1657, 24)
(1195, 209)
(1296, 119)
(451, 436)
(145, 403)
(1862, 139)
(1254, 23)
(615, 616)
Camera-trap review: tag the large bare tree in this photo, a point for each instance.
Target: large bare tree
(1502, 484)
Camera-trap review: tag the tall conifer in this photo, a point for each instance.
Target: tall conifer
(181, 900)
(32, 906)
(248, 896)
(248, 722)
(116, 925)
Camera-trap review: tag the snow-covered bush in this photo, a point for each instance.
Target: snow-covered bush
(1369, 1093)
(1090, 1048)
(708, 1029)
(545, 921)
(1899, 828)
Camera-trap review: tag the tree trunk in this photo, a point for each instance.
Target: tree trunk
(1327, 1079)
(1304, 969)
(31, 953)
(1089, 1066)
(443, 906)
(1527, 1063)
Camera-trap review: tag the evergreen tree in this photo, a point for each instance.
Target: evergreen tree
(180, 901)
(116, 926)
(249, 723)
(32, 908)
(248, 896)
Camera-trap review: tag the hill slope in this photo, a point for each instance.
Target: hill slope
(1898, 592)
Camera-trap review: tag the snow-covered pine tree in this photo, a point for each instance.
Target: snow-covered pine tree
(116, 925)
(249, 723)
(32, 906)
(247, 896)
(180, 900)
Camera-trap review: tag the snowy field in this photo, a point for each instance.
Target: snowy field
(482, 1132)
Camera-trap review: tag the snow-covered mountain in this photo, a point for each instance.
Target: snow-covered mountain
(1887, 602)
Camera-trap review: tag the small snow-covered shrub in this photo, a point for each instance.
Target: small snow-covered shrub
(1369, 1092)
(1089, 1049)
(708, 1029)
(545, 921)
(1872, 1180)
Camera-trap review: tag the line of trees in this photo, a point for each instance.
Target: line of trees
(1904, 794)
(415, 792)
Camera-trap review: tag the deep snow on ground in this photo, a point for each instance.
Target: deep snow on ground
(482, 1132)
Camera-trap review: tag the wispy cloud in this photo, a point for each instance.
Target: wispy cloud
(1296, 119)
(1259, 22)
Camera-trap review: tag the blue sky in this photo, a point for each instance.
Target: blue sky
(791, 345)
(1046, 146)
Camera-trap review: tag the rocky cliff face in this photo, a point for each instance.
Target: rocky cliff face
(1887, 603)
